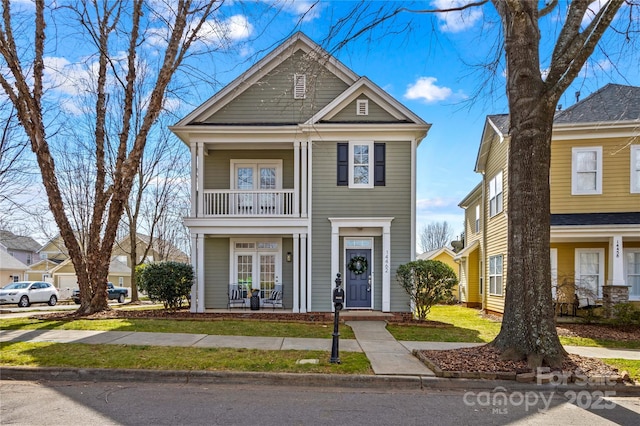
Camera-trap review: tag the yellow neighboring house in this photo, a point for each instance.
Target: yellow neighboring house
(444, 255)
(595, 205)
(11, 269)
(160, 250)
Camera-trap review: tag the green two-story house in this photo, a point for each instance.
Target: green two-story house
(301, 170)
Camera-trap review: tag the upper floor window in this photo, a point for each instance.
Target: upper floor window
(477, 218)
(29, 258)
(586, 171)
(635, 169)
(361, 164)
(362, 107)
(495, 275)
(495, 194)
(299, 86)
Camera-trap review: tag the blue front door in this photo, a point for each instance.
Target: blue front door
(358, 277)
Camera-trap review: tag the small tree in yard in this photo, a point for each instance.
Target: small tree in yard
(427, 282)
(166, 282)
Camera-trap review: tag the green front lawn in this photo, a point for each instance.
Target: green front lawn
(216, 327)
(631, 366)
(78, 355)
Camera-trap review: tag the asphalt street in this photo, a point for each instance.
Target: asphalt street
(126, 403)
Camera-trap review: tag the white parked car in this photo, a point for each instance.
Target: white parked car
(24, 293)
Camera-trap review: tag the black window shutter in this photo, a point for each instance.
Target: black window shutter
(379, 152)
(343, 164)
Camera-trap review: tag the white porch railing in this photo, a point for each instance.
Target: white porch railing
(228, 202)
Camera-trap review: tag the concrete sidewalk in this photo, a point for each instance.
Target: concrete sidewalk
(386, 354)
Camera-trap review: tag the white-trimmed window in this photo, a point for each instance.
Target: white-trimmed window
(477, 218)
(586, 170)
(299, 86)
(495, 194)
(635, 169)
(361, 164)
(589, 273)
(632, 272)
(362, 107)
(256, 264)
(495, 275)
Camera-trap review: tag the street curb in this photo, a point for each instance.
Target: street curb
(298, 379)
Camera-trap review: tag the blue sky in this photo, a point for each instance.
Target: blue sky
(435, 64)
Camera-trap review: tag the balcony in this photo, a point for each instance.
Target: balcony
(260, 203)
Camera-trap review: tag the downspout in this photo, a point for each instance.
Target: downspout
(483, 243)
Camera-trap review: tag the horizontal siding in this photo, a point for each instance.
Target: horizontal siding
(217, 165)
(329, 200)
(270, 100)
(216, 272)
(473, 279)
(376, 113)
(496, 226)
(616, 165)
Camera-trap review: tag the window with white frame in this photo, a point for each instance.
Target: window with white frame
(299, 86)
(362, 107)
(589, 273)
(477, 219)
(495, 275)
(495, 195)
(635, 169)
(632, 272)
(586, 170)
(361, 164)
(256, 265)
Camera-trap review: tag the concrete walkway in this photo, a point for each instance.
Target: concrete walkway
(387, 356)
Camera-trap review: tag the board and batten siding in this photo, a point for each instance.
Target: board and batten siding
(217, 165)
(496, 235)
(330, 200)
(216, 273)
(270, 100)
(376, 113)
(616, 168)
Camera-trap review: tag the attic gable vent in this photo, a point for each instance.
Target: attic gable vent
(362, 107)
(299, 86)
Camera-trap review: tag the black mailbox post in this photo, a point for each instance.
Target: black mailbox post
(338, 301)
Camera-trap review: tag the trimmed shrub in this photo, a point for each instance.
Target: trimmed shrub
(427, 282)
(166, 282)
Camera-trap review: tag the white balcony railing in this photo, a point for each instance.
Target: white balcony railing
(226, 202)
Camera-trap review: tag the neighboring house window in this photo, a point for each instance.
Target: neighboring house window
(16, 278)
(29, 258)
(362, 107)
(120, 281)
(589, 273)
(632, 272)
(477, 219)
(43, 255)
(495, 195)
(12, 254)
(122, 258)
(299, 86)
(358, 168)
(586, 171)
(495, 275)
(635, 169)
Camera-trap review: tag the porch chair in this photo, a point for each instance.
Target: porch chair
(275, 299)
(236, 296)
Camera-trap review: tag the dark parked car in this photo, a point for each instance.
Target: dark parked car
(115, 293)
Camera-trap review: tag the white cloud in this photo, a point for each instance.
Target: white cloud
(221, 33)
(458, 21)
(426, 89)
(592, 11)
(304, 9)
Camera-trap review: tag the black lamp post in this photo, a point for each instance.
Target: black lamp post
(338, 299)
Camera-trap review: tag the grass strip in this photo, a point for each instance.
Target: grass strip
(46, 354)
(214, 327)
(631, 366)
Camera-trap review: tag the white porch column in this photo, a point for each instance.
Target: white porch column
(335, 260)
(200, 174)
(194, 181)
(616, 261)
(296, 178)
(306, 154)
(200, 272)
(303, 303)
(296, 273)
(386, 268)
(194, 263)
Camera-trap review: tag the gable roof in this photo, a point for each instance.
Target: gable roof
(348, 86)
(435, 253)
(8, 262)
(18, 242)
